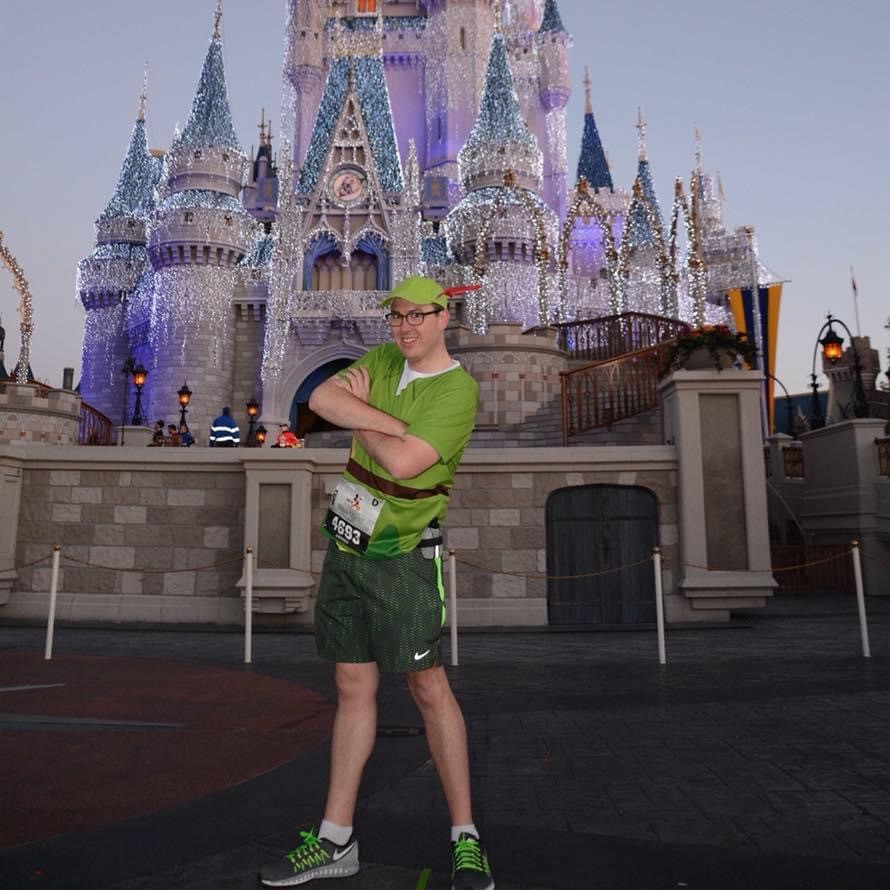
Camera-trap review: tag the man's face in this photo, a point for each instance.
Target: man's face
(418, 342)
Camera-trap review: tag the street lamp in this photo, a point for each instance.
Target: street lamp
(789, 410)
(126, 370)
(185, 396)
(253, 408)
(260, 435)
(832, 351)
(139, 376)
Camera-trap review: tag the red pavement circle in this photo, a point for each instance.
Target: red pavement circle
(233, 725)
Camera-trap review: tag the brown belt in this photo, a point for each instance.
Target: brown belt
(387, 486)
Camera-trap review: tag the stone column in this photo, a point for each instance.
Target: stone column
(10, 497)
(840, 499)
(714, 420)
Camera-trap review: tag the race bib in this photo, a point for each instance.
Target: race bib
(353, 514)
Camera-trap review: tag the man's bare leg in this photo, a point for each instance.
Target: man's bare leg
(355, 728)
(446, 735)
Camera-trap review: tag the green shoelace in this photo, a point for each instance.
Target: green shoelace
(468, 855)
(308, 853)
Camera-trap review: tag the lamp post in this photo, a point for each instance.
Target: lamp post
(832, 350)
(253, 408)
(126, 370)
(789, 410)
(139, 376)
(185, 396)
(260, 436)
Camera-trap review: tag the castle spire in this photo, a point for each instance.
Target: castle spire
(592, 162)
(698, 167)
(144, 94)
(641, 133)
(551, 22)
(134, 194)
(210, 122)
(500, 138)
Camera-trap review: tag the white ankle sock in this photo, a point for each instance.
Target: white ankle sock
(339, 834)
(458, 830)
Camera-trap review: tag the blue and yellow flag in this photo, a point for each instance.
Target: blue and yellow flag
(769, 299)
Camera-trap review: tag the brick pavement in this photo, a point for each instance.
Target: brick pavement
(759, 757)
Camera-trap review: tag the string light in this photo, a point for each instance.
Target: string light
(25, 310)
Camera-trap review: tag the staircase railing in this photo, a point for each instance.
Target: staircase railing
(95, 427)
(605, 392)
(598, 339)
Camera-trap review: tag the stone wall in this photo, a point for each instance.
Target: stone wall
(142, 537)
(33, 414)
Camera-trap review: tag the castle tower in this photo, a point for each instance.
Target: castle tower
(457, 35)
(500, 141)
(553, 42)
(198, 234)
(304, 71)
(108, 277)
(261, 190)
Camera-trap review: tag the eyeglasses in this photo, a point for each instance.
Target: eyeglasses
(415, 317)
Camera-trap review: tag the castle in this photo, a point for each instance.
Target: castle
(417, 137)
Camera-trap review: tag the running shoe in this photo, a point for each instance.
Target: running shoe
(313, 858)
(469, 865)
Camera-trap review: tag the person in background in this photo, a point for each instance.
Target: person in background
(172, 437)
(286, 439)
(224, 432)
(185, 436)
(157, 438)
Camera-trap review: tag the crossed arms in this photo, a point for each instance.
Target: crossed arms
(344, 402)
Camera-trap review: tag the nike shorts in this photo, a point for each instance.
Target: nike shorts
(386, 610)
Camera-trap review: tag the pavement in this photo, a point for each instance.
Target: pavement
(758, 757)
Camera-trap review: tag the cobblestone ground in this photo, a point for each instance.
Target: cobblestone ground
(758, 757)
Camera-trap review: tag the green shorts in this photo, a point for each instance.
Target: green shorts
(386, 610)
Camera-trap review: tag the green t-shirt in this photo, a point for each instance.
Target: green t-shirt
(373, 512)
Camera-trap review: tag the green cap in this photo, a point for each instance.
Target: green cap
(418, 290)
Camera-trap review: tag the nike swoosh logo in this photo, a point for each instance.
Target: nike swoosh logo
(419, 655)
(339, 854)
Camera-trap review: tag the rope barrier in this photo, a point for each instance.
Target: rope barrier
(94, 565)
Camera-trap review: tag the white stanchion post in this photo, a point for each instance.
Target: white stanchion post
(860, 600)
(53, 591)
(659, 604)
(248, 605)
(452, 583)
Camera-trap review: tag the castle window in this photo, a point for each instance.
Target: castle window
(463, 38)
(131, 223)
(366, 7)
(198, 154)
(188, 216)
(225, 156)
(228, 219)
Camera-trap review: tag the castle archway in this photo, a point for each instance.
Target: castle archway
(301, 417)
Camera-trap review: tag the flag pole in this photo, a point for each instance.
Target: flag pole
(855, 301)
(758, 332)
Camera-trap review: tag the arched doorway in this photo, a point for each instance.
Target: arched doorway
(302, 419)
(590, 530)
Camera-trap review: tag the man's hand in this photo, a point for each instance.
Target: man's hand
(358, 382)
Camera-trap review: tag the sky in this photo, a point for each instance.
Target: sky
(790, 97)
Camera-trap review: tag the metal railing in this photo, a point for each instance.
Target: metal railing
(605, 392)
(95, 428)
(597, 339)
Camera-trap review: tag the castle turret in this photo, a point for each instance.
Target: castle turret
(501, 150)
(553, 42)
(261, 190)
(304, 69)
(198, 234)
(640, 228)
(107, 278)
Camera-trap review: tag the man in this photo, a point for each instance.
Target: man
(224, 432)
(381, 602)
